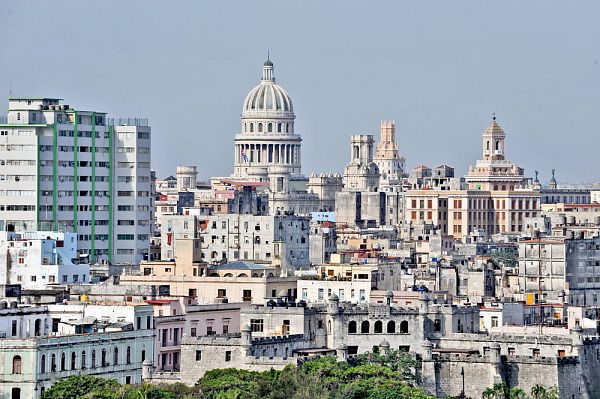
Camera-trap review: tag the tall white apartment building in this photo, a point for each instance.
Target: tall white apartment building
(77, 171)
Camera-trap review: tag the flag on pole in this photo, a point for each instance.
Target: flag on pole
(244, 157)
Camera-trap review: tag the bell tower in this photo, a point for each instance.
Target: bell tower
(493, 142)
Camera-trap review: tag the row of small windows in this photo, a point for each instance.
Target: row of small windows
(102, 361)
(365, 327)
(268, 127)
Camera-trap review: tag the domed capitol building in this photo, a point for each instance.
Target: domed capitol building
(268, 150)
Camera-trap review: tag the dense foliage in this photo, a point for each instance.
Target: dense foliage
(503, 391)
(370, 376)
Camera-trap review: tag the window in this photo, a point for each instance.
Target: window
(198, 356)
(227, 356)
(437, 325)
(221, 293)
(256, 325)
(193, 332)
(404, 327)
(378, 327)
(494, 321)
(73, 360)
(16, 364)
(364, 327)
(13, 330)
(128, 359)
(43, 364)
(83, 360)
(391, 327)
(352, 327)
(63, 361)
(53, 363)
(93, 359)
(247, 295)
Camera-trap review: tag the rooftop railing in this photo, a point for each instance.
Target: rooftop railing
(128, 121)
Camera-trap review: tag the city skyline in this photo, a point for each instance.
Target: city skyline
(441, 86)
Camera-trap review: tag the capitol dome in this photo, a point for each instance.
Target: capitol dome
(268, 99)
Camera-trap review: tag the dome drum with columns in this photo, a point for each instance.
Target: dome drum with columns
(267, 137)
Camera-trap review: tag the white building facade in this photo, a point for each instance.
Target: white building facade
(62, 169)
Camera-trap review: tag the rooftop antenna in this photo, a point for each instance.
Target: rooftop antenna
(268, 55)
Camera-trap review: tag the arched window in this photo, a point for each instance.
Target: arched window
(495, 187)
(38, 327)
(53, 363)
(352, 327)
(116, 356)
(270, 127)
(128, 355)
(63, 362)
(364, 327)
(103, 359)
(404, 327)
(16, 366)
(73, 360)
(279, 127)
(83, 360)
(260, 127)
(378, 327)
(391, 327)
(245, 127)
(503, 188)
(329, 326)
(287, 127)
(43, 364)
(497, 146)
(251, 127)
(487, 145)
(93, 358)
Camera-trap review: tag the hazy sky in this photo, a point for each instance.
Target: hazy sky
(439, 68)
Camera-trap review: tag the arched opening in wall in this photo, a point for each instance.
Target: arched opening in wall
(329, 326)
(116, 356)
(270, 127)
(43, 364)
(16, 364)
(63, 362)
(495, 187)
(242, 275)
(128, 356)
(404, 327)
(254, 274)
(391, 327)
(83, 361)
(497, 146)
(53, 363)
(251, 127)
(279, 127)
(73, 360)
(228, 275)
(378, 327)
(38, 327)
(503, 188)
(260, 127)
(364, 327)
(93, 358)
(352, 327)
(103, 363)
(487, 147)
(270, 275)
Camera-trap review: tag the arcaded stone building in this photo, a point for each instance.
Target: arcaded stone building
(446, 338)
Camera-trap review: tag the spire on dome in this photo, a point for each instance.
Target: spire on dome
(268, 75)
